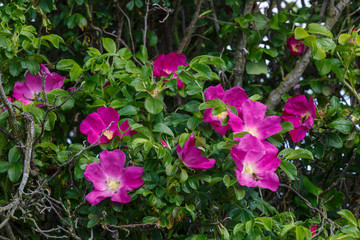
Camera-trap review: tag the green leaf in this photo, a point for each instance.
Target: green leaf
(289, 168)
(153, 106)
(239, 193)
(261, 21)
(300, 33)
(32, 65)
(238, 228)
(333, 140)
(109, 45)
(286, 229)
(325, 43)
(183, 176)
(203, 70)
(256, 68)
(65, 64)
(302, 233)
(344, 38)
(4, 166)
(256, 97)
(310, 187)
(348, 216)
(142, 54)
(14, 172)
(300, 153)
(128, 110)
(149, 219)
(271, 52)
(226, 180)
(342, 125)
(92, 222)
(319, 29)
(54, 39)
(15, 69)
(162, 128)
(319, 54)
(286, 126)
(285, 152)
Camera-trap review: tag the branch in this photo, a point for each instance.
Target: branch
(190, 28)
(292, 78)
(240, 59)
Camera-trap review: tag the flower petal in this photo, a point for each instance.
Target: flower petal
(21, 90)
(95, 174)
(244, 179)
(112, 162)
(297, 134)
(94, 197)
(214, 92)
(253, 113)
(235, 97)
(34, 83)
(268, 180)
(93, 126)
(158, 66)
(121, 196)
(269, 126)
(131, 178)
(214, 122)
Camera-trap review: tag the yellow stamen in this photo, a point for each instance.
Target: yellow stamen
(109, 134)
(252, 131)
(305, 116)
(113, 184)
(295, 48)
(221, 116)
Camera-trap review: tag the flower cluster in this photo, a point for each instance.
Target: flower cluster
(26, 91)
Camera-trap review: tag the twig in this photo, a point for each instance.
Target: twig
(190, 28)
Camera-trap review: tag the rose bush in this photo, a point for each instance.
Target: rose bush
(179, 120)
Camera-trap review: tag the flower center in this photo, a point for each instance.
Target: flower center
(295, 48)
(252, 131)
(167, 71)
(221, 116)
(113, 184)
(109, 134)
(304, 117)
(250, 170)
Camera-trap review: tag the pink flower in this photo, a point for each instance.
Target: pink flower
(313, 229)
(33, 84)
(295, 47)
(256, 162)
(352, 40)
(301, 113)
(96, 122)
(163, 143)
(191, 156)
(253, 121)
(164, 65)
(233, 97)
(111, 179)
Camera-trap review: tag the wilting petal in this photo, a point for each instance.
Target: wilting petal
(112, 162)
(95, 196)
(95, 174)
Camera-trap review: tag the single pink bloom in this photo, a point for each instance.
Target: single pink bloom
(301, 113)
(191, 155)
(164, 65)
(233, 97)
(111, 179)
(33, 84)
(295, 47)
(256, 162)
(96, 122)
(163, 143)
(253, 121)
(313, 229)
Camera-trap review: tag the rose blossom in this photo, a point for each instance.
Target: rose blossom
(301, 113)
(253, 121)
(313, 230)
(191, 156)
(295, 47)
(164, 65)
(256, 162)
(111, 179)
(96, 122)
(233, 97)
(33, 84)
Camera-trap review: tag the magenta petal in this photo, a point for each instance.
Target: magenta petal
(179, 84)
(235, 123)
(108, 115)
(244, 179)
(34, 83)
(125, 128)
(93, 126)
(112, 162)
(295, 120)
(214, 92)
(21, 90)
(253, 112)
(158, 66)
(95, 174)
(297, 134)
(94, 197)
(312, 107)
(270, 125)
(121, 196)
(235, 97)
(214, 122)
(173, 60)
(191, 156)
(270, 161)
(296, 105)
(53, 81)
(268, 180)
